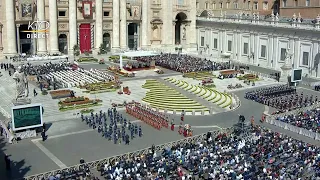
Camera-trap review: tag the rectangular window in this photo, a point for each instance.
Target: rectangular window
(229, 46)
(180, 2)
(255, 6)
(215, 43)
(305, 58)
(214, 6)
(263, 51)
(245, 48)
(296, 3)
(265, 6)
(207, 6)
(283, 54)
(307, 2)
(62, 13)
(221, 5)
(202, 41)
(284, 3)
(197, 5)
(235, 5)
(106, 13)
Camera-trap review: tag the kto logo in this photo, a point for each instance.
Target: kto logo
(38, 29)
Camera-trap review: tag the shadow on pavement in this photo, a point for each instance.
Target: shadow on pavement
(18, 168)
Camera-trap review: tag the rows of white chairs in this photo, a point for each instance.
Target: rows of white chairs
(103, 76)
(73, 78)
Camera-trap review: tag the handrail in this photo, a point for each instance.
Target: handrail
(113, 159)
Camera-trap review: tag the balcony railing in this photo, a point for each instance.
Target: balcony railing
(276, 22)
(155, 5)
(180, 7)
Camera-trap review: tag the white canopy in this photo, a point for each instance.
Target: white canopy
(138, 53)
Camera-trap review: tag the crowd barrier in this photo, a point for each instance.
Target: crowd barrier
(112, 160)
(272, 120)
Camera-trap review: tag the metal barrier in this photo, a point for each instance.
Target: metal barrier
(112, 160)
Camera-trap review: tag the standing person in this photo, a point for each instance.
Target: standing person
(172, 125)
(35, 93)
(43, 135)
(1, 130)
(182, 115)
(8, 163)
(252, 121)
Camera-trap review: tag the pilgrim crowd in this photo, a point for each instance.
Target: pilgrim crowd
(185, 63)
(284, 98)
(118, 129)
(45, 68)
(309, 120)
(268, 155)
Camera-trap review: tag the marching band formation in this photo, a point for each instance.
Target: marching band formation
(118, 127)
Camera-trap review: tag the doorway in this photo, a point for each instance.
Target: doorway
(25, 42)
(133, 36)
(106, 42)
(63, 43)
(85, 37)
(179, 20)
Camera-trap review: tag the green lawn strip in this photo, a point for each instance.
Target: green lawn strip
(189, 87)
(224, 99)
(69, 108)
(180, 84)
(166, 97)
(204, 91)
(215, 95)
(168, 79)
(218, 97)
(178, 107)
(185, 110)
(185, 85)
(229, 102)
(194, 88)
(208, 94)
(165, 91)
(198, 90)
(174, 104)
(158, 88)
(168, 100)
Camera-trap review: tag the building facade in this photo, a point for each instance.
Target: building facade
(309, 9)
(261, 43)
(58, 26)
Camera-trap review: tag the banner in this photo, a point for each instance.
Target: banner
(87, 8)
(26, 116)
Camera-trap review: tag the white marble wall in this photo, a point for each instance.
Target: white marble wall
(266, 47)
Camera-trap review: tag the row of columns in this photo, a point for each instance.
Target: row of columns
(119, 15)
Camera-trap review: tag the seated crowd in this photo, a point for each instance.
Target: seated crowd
(282, 97)
(268, 155)
(185, 63)
(309, 120)
(45, 68)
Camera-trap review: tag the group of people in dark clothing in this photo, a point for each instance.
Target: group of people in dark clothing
(185, 63)
(45, 68)
(118, 127)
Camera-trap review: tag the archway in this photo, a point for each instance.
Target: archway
(179, 19)
(133, 36)
(25, 41)
(106, 42)
(204, 14)
(63, 43)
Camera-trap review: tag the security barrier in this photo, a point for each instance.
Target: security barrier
(111, 160)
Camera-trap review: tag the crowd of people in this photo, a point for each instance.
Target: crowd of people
(185, 63)
(45, 68)
(268, 155)
(148, 115)
(309, 120)
(118, 128)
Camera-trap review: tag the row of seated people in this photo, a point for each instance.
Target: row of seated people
(83, 172)
(185, 63)
(148, 115)
(260, 95)
(45, 68)
(309, 120)
(268, 155)
(291, 102)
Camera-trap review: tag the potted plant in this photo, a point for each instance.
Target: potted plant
(76, 50)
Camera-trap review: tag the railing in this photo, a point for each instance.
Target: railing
(155, 5)
(112, 160)
(274, 22)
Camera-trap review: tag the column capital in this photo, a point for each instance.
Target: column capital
(17, 25)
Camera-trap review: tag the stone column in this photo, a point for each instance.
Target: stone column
(191, 34)
(11, 48)
(72, 25)
(54, 49)
(115, 25)
(144, 24)
(123, 25)
(42, 45)
(99, 25)
(1, 47)
(18, 38)
(168, 25)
